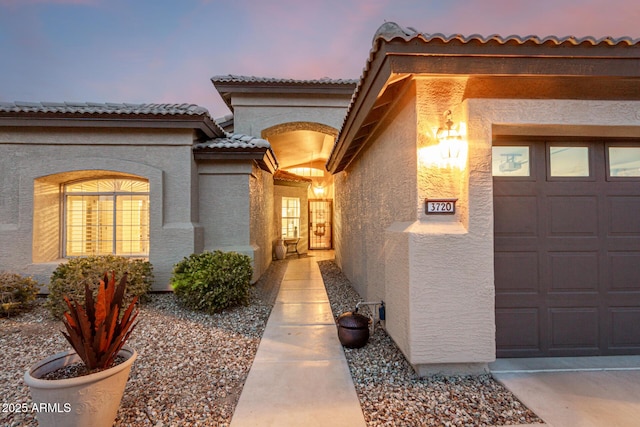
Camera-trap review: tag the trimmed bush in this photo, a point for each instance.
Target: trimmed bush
(212, 281)
(70, 278)
(16, 292)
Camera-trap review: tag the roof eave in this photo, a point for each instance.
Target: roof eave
(398, 56)
(204, 125)
(227, 88)
(264, 157)
(285, 183)
(370, 87)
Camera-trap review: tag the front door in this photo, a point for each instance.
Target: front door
(320, 231)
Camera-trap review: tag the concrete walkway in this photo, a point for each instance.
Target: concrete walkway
(576, 391)
(300, 375)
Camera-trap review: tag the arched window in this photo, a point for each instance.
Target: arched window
(106, 216)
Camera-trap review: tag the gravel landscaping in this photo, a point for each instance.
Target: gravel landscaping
(192, 366)
(190, 369)
(392, 395)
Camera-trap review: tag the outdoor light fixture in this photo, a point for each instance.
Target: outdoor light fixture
(318, 190)
(450, 141)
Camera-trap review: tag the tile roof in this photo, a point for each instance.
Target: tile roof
(230, 78)
(390, 31)
(103, 108)
(234, 141)
(229, 85)
(239, 147)
(69, 114)
(283, 175)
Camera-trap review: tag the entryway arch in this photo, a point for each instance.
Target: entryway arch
(302, 149)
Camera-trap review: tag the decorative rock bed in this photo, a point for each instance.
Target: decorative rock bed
(392, 395)
(192, 366)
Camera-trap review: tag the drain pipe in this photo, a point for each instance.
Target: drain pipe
(378, 315)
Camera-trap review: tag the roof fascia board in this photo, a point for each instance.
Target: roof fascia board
(207, 127)
(492, 49)
(284, 88)
(500, 65)
(366, 97)
(392, 94)
(376, 122)
(285, 183)
(263, 157)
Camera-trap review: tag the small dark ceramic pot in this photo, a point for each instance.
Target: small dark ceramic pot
(353, 329)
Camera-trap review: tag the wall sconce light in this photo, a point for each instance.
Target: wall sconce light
(318, 190)
(450, 140)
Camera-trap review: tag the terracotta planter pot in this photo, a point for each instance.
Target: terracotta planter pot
(90, 400)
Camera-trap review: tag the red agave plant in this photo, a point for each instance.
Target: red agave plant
(98, 331)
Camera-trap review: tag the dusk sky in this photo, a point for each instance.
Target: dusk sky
(157, 51)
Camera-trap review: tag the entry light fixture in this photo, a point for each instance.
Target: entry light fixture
(450, 140)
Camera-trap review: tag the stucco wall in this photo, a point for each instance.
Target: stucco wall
(255, 113)
(438, 270)
(375, 193)
(261, 219)
(236, 209)
(39, 159)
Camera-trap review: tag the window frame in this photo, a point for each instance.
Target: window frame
(296, 219)
(572, 144)
(616, 144)
(114, 225)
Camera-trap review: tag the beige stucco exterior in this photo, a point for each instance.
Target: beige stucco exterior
(36, 161)
(285, 113)
(236, 209)
(253, 113)
(435, 272)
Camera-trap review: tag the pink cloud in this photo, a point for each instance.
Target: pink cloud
(596, 18)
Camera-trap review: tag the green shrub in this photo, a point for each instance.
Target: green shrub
(212, 281)
(70, 277)
(16, 292)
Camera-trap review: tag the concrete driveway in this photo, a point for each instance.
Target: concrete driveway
(576, 391)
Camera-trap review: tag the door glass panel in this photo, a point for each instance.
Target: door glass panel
(510, 161)
(624, 161)
(569, 161)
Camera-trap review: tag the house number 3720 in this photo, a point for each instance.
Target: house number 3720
(440, 206)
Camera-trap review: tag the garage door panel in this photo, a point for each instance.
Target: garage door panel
(578, 235)
(515, 216)
(572, 272)
(570, 215)
(573, 328)
(624, 215)
(517, 329)
(624, 327)
(516, 272)
(623, 271)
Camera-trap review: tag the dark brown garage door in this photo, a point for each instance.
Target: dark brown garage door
(567, 247)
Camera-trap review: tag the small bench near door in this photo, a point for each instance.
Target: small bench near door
(292, 246)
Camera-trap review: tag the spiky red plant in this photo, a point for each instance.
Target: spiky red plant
(96, 330)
